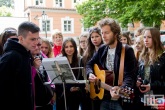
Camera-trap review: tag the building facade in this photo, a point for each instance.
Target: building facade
(54, 15)
(61, 15)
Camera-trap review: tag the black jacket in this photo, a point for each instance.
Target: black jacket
(129, 63)
(157, 75)
(15, 81)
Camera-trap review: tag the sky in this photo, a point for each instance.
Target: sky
(19, 8)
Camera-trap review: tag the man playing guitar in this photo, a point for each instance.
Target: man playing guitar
(108, 58)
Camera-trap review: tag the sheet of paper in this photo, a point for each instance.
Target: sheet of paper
(59, 66)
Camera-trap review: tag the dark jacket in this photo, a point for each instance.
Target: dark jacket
(157, 75)
(129, 63)
(15, 81)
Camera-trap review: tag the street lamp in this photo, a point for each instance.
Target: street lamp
(28, 16)
(44, 18)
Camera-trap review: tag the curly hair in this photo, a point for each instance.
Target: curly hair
(115, 28)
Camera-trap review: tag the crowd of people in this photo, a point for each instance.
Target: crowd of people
(23, 76)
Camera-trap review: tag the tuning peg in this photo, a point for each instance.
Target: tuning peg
(125, 99)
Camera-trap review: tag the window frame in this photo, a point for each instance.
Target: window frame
(72, 24)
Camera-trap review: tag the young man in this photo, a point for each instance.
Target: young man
(15, 69)
(108, 58)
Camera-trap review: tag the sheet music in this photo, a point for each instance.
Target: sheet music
(59, 66)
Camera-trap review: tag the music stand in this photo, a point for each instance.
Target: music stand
(59, 71)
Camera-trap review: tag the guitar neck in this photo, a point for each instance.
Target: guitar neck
(105, 86)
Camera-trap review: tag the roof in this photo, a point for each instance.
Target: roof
(38, 7)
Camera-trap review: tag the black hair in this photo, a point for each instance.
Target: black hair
(27, 26)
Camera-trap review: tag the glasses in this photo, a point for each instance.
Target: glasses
(83, 41)
(38, 44)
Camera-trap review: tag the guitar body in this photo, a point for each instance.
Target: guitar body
(105, 80)
(94, 93)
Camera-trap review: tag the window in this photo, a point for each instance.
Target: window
(47, 27)
(86, 29)
(67, 25)
(74, 2)
(59, 3)
(38, 2)
(83, 29)
(124, 29)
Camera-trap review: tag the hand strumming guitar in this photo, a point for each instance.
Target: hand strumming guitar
(92, 78)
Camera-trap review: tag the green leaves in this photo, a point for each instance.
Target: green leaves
(149, 12)
(7, 3)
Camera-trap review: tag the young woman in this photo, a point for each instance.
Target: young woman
(74, 92)
(151, 69)
(7, 33)
(46, 48)
(43, 93)
(94, 41)
(125, 39)
(83, 43)
(139, 44)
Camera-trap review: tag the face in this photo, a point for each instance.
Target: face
(138, 44)
(123, 40)
(83, 42)
(96, 39)
(30, 41)
(69, 49)
(147, 39)
(44, 48)
(37, 49)
(108, 35)
(137, 34)
(57, 40)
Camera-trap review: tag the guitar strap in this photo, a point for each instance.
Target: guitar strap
(121, 69)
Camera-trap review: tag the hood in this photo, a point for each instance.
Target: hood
(12, 44)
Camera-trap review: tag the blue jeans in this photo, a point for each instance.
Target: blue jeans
(110, 105)
(54, 106)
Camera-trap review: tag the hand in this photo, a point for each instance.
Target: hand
(138, 83)
(73, 89)
(115, 92)
(53, 100)
(92, 78)
(37, 63)
(87, 87)
(147, 88)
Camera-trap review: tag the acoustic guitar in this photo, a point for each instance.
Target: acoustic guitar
(97, 88)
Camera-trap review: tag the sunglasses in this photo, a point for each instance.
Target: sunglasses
(10, 32)
(94, 29)
(7, 33)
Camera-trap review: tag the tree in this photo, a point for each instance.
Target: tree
(148, 12)
(7, 3)
(6, 7)
(5, 11)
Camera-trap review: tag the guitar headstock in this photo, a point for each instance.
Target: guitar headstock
(127, 94)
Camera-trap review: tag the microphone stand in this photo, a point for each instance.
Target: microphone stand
(63, 83)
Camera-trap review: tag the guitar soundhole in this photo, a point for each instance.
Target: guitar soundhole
(97, 86)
